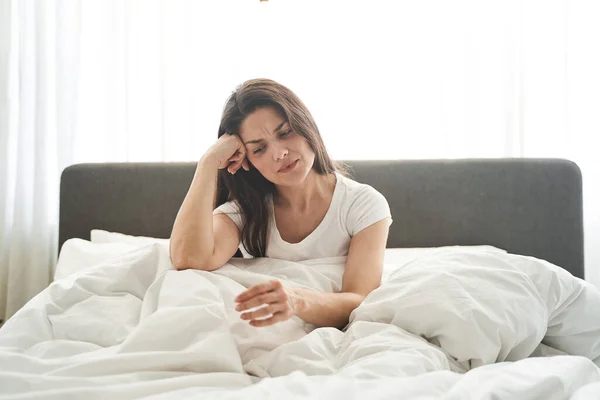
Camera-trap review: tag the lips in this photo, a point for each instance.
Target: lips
(287, 165)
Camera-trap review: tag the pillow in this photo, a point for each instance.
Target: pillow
(101, 236)
(405, 255)
(78, 254)
(484, 307)
(399, 257)
(393, 259)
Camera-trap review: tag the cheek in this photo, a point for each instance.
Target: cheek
(300, 144)
(307, 149)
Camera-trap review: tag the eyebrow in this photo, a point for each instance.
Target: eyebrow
(261, 140)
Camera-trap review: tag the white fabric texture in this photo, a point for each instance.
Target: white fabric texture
(354, 207)
(86, 81)
(102, 236)
(78, 254)
(38, 60)
(134, 327)
(502, 305)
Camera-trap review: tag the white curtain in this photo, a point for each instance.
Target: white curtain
(38, 48)
(107, 80)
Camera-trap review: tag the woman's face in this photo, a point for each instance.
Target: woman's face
(280, 154)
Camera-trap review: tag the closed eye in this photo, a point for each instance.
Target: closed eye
(281, 135)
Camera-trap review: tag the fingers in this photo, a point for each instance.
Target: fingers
(267, 298)
(230, 145)
(271, 293)
(238, 158)
(237, 161)
(277, 317)
(258, 289)
(263, 312)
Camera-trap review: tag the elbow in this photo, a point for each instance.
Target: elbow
(199, 263)
(181, 260)
(181, 264)
(182, 257)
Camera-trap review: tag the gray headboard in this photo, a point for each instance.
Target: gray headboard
(526, 206)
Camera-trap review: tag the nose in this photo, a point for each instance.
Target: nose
(279, 152)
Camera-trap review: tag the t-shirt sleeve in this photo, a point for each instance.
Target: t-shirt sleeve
(368, 207)
(232, 209)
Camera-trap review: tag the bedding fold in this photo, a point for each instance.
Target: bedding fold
(452, 324)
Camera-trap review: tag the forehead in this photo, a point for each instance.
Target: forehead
(261, 122)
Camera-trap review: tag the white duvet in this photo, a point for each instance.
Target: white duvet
(455, 324)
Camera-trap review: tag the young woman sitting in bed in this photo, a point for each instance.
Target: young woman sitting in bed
(287, 200)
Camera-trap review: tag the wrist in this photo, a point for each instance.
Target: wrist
(299, 303)
(209, 159)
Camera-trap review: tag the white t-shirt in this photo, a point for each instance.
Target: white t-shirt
(354, 207)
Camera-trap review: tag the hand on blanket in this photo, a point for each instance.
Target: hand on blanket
(279, 303)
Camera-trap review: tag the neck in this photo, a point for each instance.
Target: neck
(300, 198)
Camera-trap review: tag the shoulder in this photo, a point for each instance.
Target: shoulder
(356, 192)
(228, 208)
(362, 205)
(232, 210)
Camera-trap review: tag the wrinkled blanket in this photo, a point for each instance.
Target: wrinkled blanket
(452, 325)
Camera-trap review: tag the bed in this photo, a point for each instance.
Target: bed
(525, 206)
(482, 297)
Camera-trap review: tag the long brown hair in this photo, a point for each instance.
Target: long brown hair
(250, 189)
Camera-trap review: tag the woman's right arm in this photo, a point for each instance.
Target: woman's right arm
(200, 240)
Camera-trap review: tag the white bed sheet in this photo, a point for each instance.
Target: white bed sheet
(456, 324)
(78, 254)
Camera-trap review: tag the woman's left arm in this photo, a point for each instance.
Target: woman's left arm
(362, 274)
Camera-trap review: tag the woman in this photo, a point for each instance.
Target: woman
(287, 200)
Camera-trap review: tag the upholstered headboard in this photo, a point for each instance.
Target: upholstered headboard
(526, 206)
